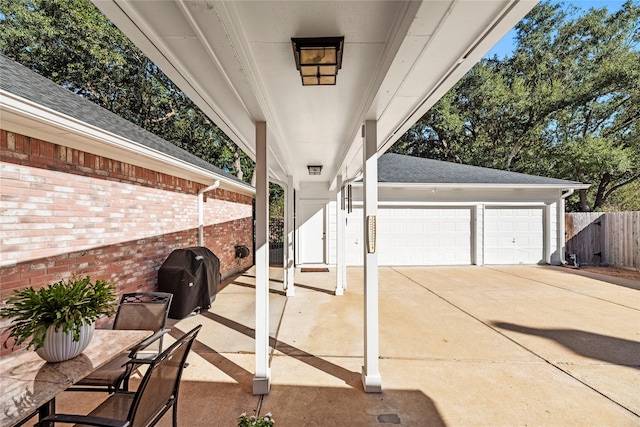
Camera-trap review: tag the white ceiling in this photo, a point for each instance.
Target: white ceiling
(234, 59)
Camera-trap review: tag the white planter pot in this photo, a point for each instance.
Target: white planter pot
(60, 346)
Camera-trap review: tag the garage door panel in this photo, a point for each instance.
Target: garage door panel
(415, 236)
(416, 228)
(513, 235)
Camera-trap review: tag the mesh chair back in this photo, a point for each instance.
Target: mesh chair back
(158, 390)
(143, 310)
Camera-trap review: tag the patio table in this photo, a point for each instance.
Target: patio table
(29, 384)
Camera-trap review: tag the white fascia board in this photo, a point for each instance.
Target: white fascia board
(577, 186)
(47, 123)
(416, 204)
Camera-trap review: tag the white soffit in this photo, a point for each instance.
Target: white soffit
(234, 60)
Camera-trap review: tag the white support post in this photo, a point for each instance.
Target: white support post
(289, 267)
(371, 378)
(478, 230)
(340, 240)
(262, 378)
(562, 239)
(547, 234)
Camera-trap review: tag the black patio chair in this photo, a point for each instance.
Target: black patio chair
(138, 310)
(156, 394)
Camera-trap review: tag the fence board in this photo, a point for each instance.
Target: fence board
(611, 238)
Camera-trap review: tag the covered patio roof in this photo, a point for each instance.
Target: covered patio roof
(235, 60)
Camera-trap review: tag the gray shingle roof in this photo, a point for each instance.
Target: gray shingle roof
(21, 81)
(407, 169)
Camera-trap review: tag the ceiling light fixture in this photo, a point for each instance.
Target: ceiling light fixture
(314, 169)
(318, 59)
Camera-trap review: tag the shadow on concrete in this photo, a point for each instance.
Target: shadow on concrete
(619, 281)
(250, 286)
(233, 370)
(212, 404)
(218, 404)
(297, 285)
(617, 351)
(345, 407)
(350, 378)
(311, 288)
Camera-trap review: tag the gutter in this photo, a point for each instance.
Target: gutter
(201, 210)
(473, 186)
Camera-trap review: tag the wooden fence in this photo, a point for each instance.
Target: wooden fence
(611, 238)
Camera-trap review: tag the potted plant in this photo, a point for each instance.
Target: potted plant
(58, 320)
(252, 421)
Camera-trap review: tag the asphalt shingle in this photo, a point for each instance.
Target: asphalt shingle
(21, 81)
(406, 169)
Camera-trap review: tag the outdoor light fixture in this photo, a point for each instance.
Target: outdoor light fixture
(318, 59)
(315, 170)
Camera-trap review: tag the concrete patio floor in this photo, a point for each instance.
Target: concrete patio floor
(459, 346)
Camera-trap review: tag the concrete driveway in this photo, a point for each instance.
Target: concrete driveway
(459, 346)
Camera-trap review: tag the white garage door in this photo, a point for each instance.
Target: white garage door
(513, 236)
(414, 236)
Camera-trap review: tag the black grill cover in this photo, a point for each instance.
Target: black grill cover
(192, 275)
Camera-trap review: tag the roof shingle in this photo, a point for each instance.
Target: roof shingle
(406, 169)
(21, 81)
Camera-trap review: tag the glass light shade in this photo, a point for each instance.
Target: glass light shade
(318, 75)
(318, 59)
(314, 170)
(327, 80)
(309, 70)
(318, 80)
(310, 80)
(323, 55)
(327, 70)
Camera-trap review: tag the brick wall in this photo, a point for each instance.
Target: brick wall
(65, 211)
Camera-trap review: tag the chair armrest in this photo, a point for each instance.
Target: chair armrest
(75, 419)
(146, 342)
(134, 362)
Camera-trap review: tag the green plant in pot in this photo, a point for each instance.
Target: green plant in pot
(58, 320)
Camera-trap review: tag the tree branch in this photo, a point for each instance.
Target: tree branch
(621, 184)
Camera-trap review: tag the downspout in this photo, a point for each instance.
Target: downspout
(201, 210)
(561, 228)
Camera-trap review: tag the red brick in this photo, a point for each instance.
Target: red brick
(133, 241)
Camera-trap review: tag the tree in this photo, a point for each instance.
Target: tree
(566, 104)
(73, 44)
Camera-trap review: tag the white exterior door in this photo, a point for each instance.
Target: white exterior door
(414, 236)
(513, 235)
(311, 233)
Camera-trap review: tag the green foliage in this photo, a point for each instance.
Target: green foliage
(252, 421)
(566, 104)
(276, 201)
(626, 198)
(73, 44)
(64, 304)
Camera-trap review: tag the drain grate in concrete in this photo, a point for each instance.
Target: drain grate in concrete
(388, 419)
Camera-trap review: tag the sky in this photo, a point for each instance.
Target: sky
(505, 46)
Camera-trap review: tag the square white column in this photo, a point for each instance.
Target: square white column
(289, 267)
(262, 378)
(341, 271)
(371, 378)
